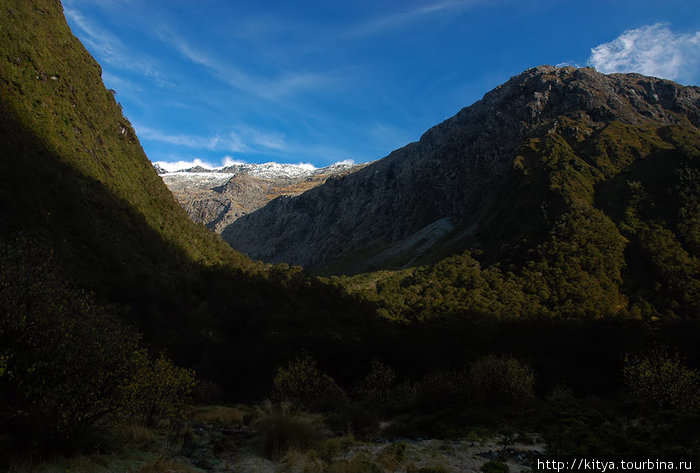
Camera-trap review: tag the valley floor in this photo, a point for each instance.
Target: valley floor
(216, 439)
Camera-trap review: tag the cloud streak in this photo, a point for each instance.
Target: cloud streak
(243, 140)
(652, 50)
(404, 18)
(110, 49)
(274, 89)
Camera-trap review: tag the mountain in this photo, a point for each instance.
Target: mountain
(74, 173)
(495, 177)
(217, 197)
(83, 207)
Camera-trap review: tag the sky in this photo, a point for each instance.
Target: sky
(213, 82)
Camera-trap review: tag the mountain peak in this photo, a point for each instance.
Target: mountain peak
(468, 173)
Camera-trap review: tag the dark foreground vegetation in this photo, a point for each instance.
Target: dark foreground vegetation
(116, 310)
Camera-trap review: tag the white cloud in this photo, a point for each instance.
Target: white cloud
(307, 166)
(652, 50)
(229, 161)
(172, 166)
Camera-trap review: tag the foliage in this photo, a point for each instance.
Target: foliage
(442, 388)
(156, 389)
(280, 427)
(68, 360)
(661, 378)
(501, 380)
(377, 384)
(303, 384)
(64, 354)
(604, 226)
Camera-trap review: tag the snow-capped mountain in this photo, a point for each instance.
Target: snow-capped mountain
(216, 197)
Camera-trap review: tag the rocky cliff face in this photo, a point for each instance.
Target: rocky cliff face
(447, 191)
(216, 198)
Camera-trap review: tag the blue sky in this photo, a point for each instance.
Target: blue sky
(325, 80)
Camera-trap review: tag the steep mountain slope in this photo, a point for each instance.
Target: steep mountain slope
(79, 194)
(497, 175)
(217, 197)
(73, 169)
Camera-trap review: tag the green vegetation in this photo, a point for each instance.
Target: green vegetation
(501, 380)
(156, 389)
(660, 378)
(69, 361)
(606, 227)
(303, 384)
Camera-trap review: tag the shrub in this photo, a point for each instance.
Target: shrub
(376, 387)
(156, 388)
(444, 388)
(303, 384)
(281, 428)
(660, 378)
(501, 380)
(392, 456)
(63, 355)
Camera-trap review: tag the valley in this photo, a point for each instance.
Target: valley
(521, 282)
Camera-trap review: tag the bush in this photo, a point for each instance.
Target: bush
(156, 389)
(376, 387)
(281, 428)
(63, 355)
(444, 388)
(393, 455)
(501, 380)
(303, 384)
(660, 378)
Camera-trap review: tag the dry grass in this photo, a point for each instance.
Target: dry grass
(166, 465)
(217, 415)
(281, 428)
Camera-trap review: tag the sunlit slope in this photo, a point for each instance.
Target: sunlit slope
(73, 171)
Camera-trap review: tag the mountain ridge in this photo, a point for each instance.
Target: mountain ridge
(454, 172)
(217, 197)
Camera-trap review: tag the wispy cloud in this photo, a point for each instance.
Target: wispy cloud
(243, 140)
(109, 48)
(272, 88)
(396, 20)
(652, 50)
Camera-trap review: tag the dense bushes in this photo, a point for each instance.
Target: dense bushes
(377, 385)
(156, 389)
(501, 380)
(67, 360)
(64, 355)
(304, 385)
(659, 377)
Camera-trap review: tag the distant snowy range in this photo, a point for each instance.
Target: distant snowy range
(217, 196)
